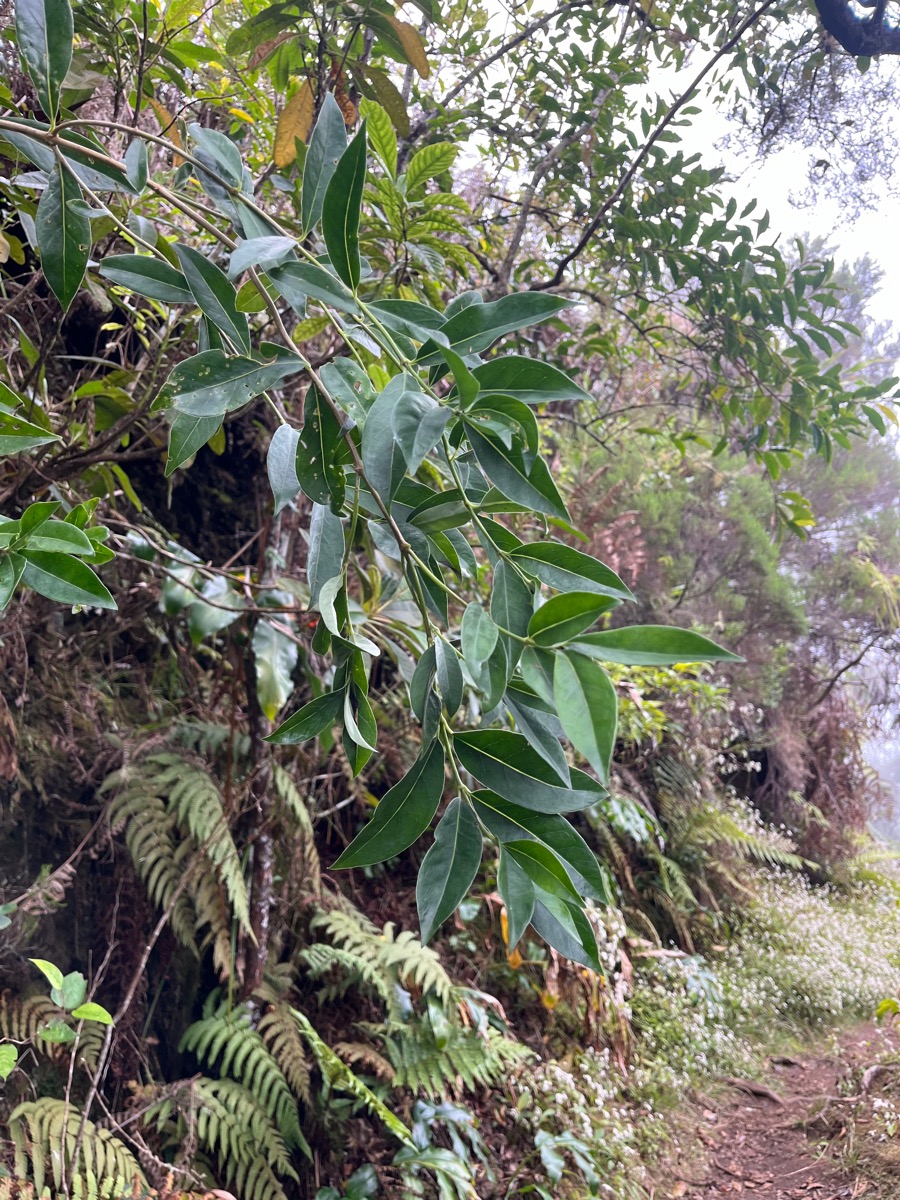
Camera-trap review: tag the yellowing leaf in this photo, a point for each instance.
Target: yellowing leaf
(413, 47)
(167, 126)
(296, 121)
(241, 115)
(4, 249)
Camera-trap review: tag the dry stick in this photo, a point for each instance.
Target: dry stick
(557, 278)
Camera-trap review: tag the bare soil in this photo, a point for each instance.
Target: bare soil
(806, 1140)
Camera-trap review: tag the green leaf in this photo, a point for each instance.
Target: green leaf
(136, 164)
(588, 710)
(517, 892)
(187, 435)
(281, 466)
(309, 721)
(512, 603)
(350, 386)
(565, 927)
(569, 570)
(479, 637)
(261, 253)
(476, 327)
(564, 616)
(72, 991)
(382, 137)
(508, 765)
(57, 1032)
(64, 579)
(276, 657)
(326, 146)
(17, 434)
(319, 447)
(652, 646)
(530, 485)
(536, 721)
(527, 380)
(63, 236)
(341, 210)
(220, 607)
(417, 423)
(403, 813)
(510, 822)
(325, 557)
(449, 867)
(428, 162)
(9, 1056)
(542, 867)
(537, 666)
(298, 281)
(11, 568)
(50, 971)
(212, 383)
(92, 1012)
(214, 296)
(44, 33)
(147, 276)
(449, 675)
(382, 456)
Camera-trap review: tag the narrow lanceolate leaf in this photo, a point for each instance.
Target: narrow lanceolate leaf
(479, 636)
(417, 424)
(341, 209)
(543, 868)
(63, 235)
(537, 722)
(17, 434)
(281, 466)
(529, 484)
(213, 383)
(563, 925)
(327, 144)
(383, 459)
(11, 568)
(565, 616)
(318, 448)
(309, 721)
(64, 579)
(588, 710)
(151, 277)
(527, 380)
(476, 327)
(261, 253)
(569, 570)
(326, 550)
(214, 295)
(449, 675)
(294, 124)
(517, 893)
(449, 867)
(510, 822)
(44, 32)
(187, 434)
(508, 765)
(652, 646)
(403, 814)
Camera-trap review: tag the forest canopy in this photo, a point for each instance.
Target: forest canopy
(432, 510)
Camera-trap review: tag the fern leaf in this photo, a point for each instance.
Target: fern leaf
(46, 1132)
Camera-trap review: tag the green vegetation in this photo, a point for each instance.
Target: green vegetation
(448, 548)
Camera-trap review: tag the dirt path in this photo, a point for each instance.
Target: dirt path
(787, 1145)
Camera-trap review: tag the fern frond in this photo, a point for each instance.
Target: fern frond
(228, 1042)
(321, 958)
(337, 1074)
(21, 1020)
(289, 795)
(279, 1031)
(44, 1134)
(401, 959)
(248, 1148)
(362, 1052)
(463, 1061)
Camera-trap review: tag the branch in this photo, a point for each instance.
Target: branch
(556, 279)
(865, 37)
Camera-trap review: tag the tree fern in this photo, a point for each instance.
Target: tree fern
(45, 1133)
(228, 1042)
